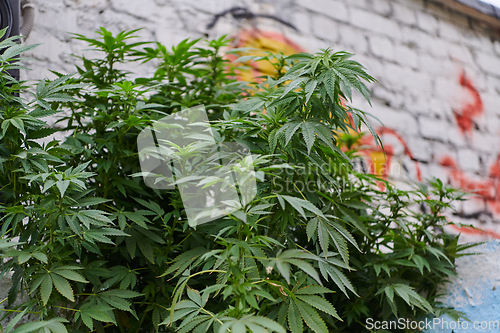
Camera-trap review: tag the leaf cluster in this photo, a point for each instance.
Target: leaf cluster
(320, 248)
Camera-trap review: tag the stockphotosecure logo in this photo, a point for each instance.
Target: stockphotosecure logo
(185, 151)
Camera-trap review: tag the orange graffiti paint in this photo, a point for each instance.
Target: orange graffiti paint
(260, 43)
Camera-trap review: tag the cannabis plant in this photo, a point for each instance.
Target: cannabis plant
(320, 247)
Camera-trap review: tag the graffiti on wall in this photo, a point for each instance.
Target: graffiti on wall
(465, 117)
(486, 190)
(257, 42)
(396, 160)
(260, 43)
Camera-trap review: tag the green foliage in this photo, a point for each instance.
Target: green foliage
(319, 249)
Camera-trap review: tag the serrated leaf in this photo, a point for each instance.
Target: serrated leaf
(338, 278)
(311, 228)
(46, 288)
(294, 318)
(97, 312)
(53, 325)
(63, 287)
(23, 257)
(309, 134)
(311, 290)
(146, 248)
(122, 293)
(40, 256)
(323, 237)
(70, 275)
(273, 140)
(289, 129)
(90, 202)
(301, 204)
(311, 318)
(117, 303)
(62, 185)
(320, 304)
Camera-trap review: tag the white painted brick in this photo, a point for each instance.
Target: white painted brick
(455, 136)
(86, 22)
(493, 121)
(420, 149)
(460, 52)
(416, 80)
(406, 56)
(488, 63)
(428, 22)
(47, 6)
(353, 39)
(117, 22)
(374, 22)
(481, 42)
(436, 47)
(325, 28)
(87, 4)
(493, 84)
(438, 106)
(148, 12)
(434, 170)
(447, 89)
(375, 67)
(441, 150)
(432, 128)
(487, 161)
(417, 103)
(486, 142)
(434, 66)
(212, 6)
(468, 160)
(332, 8)
(195, 21)
(404, 14)
(309, 42)
(359, 3)
(491, 102)
(172, 37)
(394, 81)
(50, 49)
(302, 21)
(406, 78)
(400, 121)
(388, 97)
(477, 77)
(449, 31)
(382, 47)
(359, 102)
(415, 38)
(382, 7)
(414, 4)
(496, 47)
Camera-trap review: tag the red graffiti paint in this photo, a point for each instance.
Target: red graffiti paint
(488, 189)
(465, 118)
(407, 151)
(389, 150)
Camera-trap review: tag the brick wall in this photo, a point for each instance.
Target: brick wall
(438, 71)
